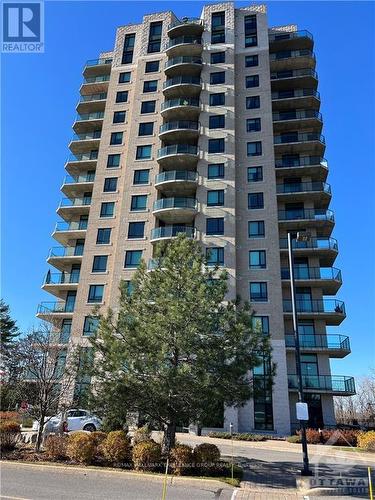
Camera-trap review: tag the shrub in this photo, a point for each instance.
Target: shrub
(206, 454)
(182, 458)
(10, 415)
(294, 439)
(313, 436)
(239, 436)
(56, 447)
(142, 434)
(366, 440)
(98, 437)
(81, 447)
(10, 435)
(146, 455)
(340, 438)
(116, 447)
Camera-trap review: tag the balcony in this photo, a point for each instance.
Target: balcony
(59, 283)
(288, 120)
(178, 182)
(184, 108)
(63, 257)
(75, 164)
(183, 65)
(97, 67)
(90, 103)
(179, 130)
(294, 78)
(72, 207)
(324, 248)
(184, 46)
(291, 40)
(60, 309)
(83, 142)
(337, 346)
(94, 85)
(337, 385)
(181, 86)
(168, 232)
(66, 231)
(295, 98)
(292, 59)
(183, 155)
(298, 142)
(186, 26)
(76, 185)
(329, 279)
(175, 210)
(319, 218)
(316, 166)
(316, 191)
(88, 122)
(330, 310)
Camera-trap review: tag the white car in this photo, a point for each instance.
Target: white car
(77, 419)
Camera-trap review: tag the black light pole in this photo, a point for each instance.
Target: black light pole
(300, 237)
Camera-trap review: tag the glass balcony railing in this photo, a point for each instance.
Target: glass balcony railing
(183, 101)
(65, 252)
(182, 40)
(184, 21)
(172, 231)
(77, 179)
(334, 383)
(87, 136)
(319, 341)
(315, 306)
(99, 115)
(71, 226)
(291, 94)
(317, 214)
(183, 60)
(93, 97)
(75, 202)
(99, 62)
(166, 203)
(178, 149)
(312, 273)
(55, 307)
(304, 161)
(299, 137)
(289, 35)
(176, 175)
(313, 243)
(179, 125)
(61, 278)
(97, 79)
(294, 73)
(182, 80)
(286, 54)
(296, 115)
(92, 155)
(303, 187)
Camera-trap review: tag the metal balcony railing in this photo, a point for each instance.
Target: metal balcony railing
(55, 307)
(87, 136)
(90, 116)
(71, 226)
(61, 278)
(180, 202)
(334, 383)
(320, 341)
(97, 79)
(305, 161)
(99, 62)
(299, 137)
(176, 175)
(294, 73)
(183, 60)
(296, 115)
(286, 54)
(285, 35)
(65, 252)
(313, 243)
(302, 187)
(182, 40)
(93, 97)
(75, 202)
(317, 214)
(312, 273)
(77, 179)
(179, 125)
(292, 93)
(186, 20)
(315, 306)
(172, 231)
(182, 80)
(92, 155)
(183, 101)
(177, 149)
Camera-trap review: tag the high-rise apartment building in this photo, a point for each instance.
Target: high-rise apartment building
(210, 127)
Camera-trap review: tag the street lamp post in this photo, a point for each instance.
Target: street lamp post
(303, 236)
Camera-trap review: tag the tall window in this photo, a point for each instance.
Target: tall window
(95, 293)
(258, 291)
(254, 174)
(254, 148)
(215, 171)
(256, 229)
(215, 256)
(132, 258)
(103, 236)
(141, 176)
(136, 230)
(218, 27)
(252, 81)
(253, 125)
(253, 102)
(138, 202)
(107, 209)
(65, 331)
(251, 38)
(99, 264)
(255, 200)
(257, 259)
(263, 414)
(154, 38)
(143, 152)
(127, 54)
(113, 161)
(261, 324)
(215, 198)
(215, 226)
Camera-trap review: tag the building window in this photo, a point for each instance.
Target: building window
(103, 236)
(127, 54)
(146, 128)
(99, 264)
(218, 27)
(132, 258)
(257, 259)
(124, 77)
(254, 148)
(122, 96)
(215, 256)
(129, 287)
(141, 176)
(136, 230)
(254, 174)
(255, 200)
(148, 107)
(116, 138)
(217, 121)
(217, 99)
(66, 327)
(143, 152)
(154, 38)
(215, 225)
(152, 66)
(256, 229)
(217, 77)
(119, 116)
(215, 171)
(251, 38)
(110, 185)
(107, 209)
(113, 161)
(215, 198)
(138, 202)
(217, 57)
(252, 81)
(258, 291)
(251, 61)
(93, 154)
(216, 145)
(90, 326)
(95, 293)
(150, 86)
(253, 125)
(263, 414)
(261, 324)
(253, 102)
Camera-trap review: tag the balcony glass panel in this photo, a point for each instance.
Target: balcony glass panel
(320, 341)
(172, 231)
(336, 383)
(182, 124)
(183, 101)
(306, 213)
(312, 273)
(315, 306)
(298, 137)
(180, 80)
(165, 203)
(318, 243)
(178, 175)
(184, 40)
(300, 162)
(61, 278)
(175, 149)
(302, 187)
(183, 60)
(90, 116)
(284, 35)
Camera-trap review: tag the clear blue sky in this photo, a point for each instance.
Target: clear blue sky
(39, 94)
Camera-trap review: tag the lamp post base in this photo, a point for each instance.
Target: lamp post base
(307, 472)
